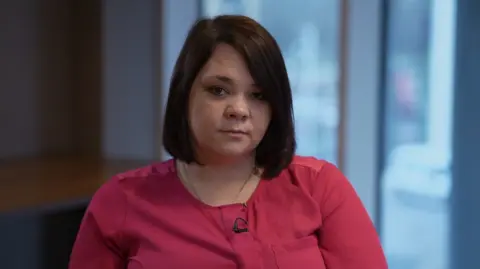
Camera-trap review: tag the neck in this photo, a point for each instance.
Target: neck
(234, 171)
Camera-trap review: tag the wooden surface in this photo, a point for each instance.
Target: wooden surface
(52, 182)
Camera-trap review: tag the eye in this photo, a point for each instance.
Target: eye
(218, 91)
(258, 95)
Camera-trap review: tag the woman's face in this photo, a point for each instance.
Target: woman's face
(227, 113)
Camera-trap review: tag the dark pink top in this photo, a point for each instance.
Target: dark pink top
(309, 217)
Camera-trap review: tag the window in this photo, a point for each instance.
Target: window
(416, 180)
(308, 35)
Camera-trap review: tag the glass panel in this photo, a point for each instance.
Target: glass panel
(416, 178)
(308, 35)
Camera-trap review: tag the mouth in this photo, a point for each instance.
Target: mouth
(234, 132)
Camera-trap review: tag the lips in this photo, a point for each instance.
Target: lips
(233, 131)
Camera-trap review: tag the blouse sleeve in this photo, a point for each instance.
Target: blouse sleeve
(348, 238)
(98, 242)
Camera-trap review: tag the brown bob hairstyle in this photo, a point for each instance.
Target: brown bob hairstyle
(265, 62)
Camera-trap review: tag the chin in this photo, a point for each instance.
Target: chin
(232, 152)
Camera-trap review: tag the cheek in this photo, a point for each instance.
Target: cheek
(202, 119)
(261, 122)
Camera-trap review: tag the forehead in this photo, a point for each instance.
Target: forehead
(227, 62)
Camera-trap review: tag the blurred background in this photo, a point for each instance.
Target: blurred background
(388, 90)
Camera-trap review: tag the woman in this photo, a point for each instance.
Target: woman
(234, 195)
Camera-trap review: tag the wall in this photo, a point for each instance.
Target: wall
(79, 78)
(35, 77)
(76, 78)
(87, 70)
(131, 83)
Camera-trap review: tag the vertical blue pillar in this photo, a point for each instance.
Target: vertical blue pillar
(465, 203)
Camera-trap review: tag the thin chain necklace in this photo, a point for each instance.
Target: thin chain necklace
(187, 180)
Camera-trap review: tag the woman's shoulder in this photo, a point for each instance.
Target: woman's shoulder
(131, 181)
(308, 162)
(309, 167)
(159, 169)
(317, 176)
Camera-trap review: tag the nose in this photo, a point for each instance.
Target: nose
(237, 109)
